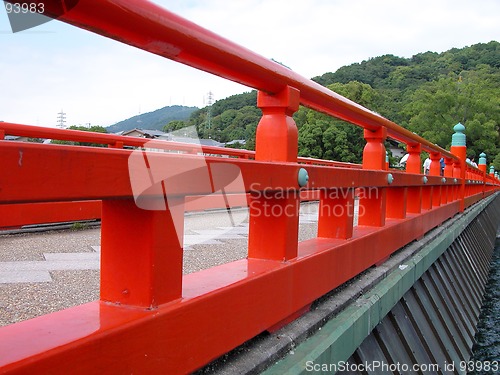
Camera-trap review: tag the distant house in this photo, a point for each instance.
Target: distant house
(144, 133)
(394, 148)
(200, 141)
(162, 136)
(211, 142)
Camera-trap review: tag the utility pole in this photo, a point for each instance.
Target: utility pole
(61, 119)
(210, 101)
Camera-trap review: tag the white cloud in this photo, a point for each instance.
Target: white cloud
(101, 81)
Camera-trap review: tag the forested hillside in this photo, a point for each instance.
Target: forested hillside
(232, 118)
(427, 93)
(153, 120)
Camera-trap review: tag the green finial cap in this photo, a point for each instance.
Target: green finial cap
(482, 158)
(458, 139)
(492, 169)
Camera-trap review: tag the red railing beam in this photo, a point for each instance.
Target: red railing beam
(88, 173)
(164, 33)
(18, 215)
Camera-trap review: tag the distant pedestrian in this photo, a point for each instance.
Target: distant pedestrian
(427, 166)
(442, 165)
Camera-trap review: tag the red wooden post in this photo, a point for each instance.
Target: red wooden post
(277, 136)
(448, 167)
(448, 173)
(396, 198)
(482, 167)
(372, 205)
(435, 170)
(426, 194)
(396, 202)
(457, 168)
(141, 255)
(482, 163)
(274, 216)
(413, 165)
(116, 144)
(336, 213)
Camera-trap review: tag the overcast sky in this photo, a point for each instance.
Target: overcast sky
(96, 80)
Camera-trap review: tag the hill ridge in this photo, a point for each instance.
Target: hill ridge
(154, 120)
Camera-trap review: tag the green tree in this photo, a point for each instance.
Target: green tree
(496, 162)
(174, 125)
(311, 140)
(322, 136)
(427, 93)
(470, 98)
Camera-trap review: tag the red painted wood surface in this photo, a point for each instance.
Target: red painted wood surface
(150, 318)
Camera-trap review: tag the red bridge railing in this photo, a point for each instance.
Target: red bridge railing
(152, 319)
(13, 216)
